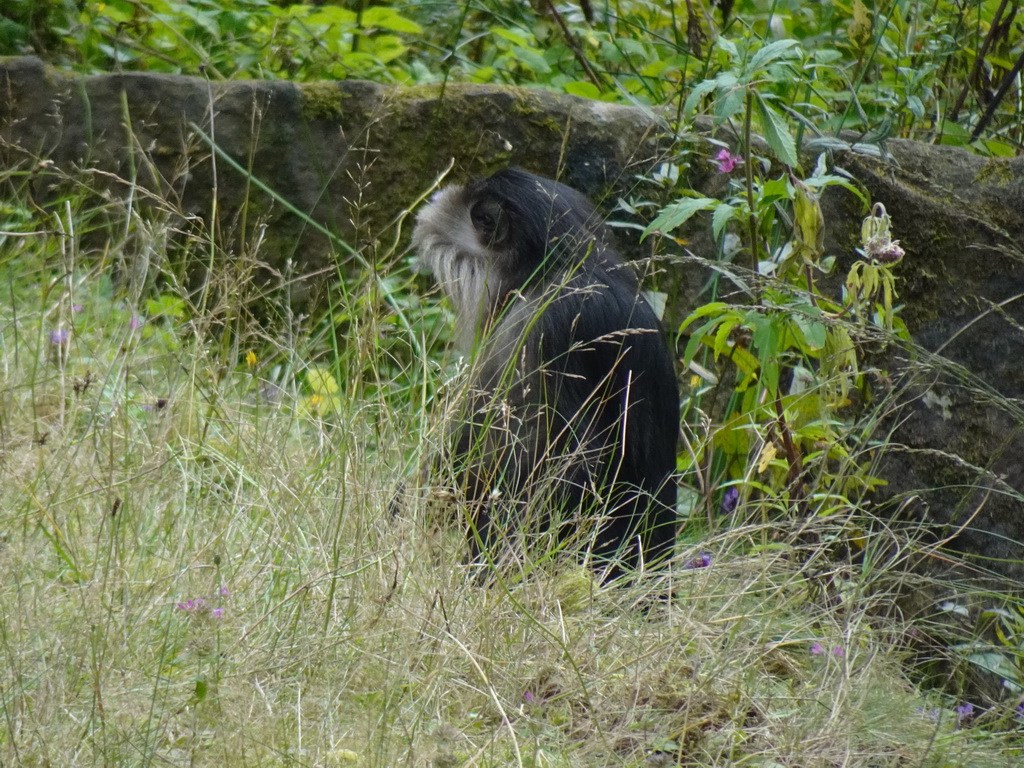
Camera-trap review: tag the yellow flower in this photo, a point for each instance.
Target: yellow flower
(251, 359)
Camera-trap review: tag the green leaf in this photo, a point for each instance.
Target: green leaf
(774, 190)
(387, 18)
(533, 59)
(813, 332)
(723, 215)
(776, 133)
(765, 336)
(677, 214)
(583, 88)
(711, 308)
(730, 105)
(507, 34)
(916, 106)
(325, 16)
(697, 336)
(721, 343)
(728, 46)
(695, 95)
(777, 50)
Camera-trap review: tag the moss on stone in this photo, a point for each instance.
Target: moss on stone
(996, 171)
(321, 100)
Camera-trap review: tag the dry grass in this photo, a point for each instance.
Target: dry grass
(146, 464)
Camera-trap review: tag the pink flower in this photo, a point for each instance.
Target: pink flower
(817, 649)
(727, 161)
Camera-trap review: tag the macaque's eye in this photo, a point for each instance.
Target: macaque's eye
(490, 221)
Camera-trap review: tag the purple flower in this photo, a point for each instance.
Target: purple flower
(964, 712)
(60, 336)
(839, 652)
(932, 714)
(77, 308)
(727, 161)
(703, 560)
(529, 698)
(817, 649)
(730, 500)
(135, 322)
(203, 605)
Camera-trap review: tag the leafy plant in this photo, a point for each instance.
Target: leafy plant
(789, 419)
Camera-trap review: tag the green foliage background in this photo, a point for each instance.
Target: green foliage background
(923, 70)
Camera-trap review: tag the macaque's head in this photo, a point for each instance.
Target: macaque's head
(491, 236)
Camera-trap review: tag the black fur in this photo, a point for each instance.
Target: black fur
(573, 418)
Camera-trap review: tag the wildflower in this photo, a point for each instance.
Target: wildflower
(817, 649)
(529, 698)
(135, 322)
(839, 652)
(60, 337)
(204, 605)
(77, 308)
(876, 237)
(730, 500)
(727, 161)
(703, 560)
(965, 712)
(884, 251)
(251, 359)
(933, 714)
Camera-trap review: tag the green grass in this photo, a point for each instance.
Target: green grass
(146, 463)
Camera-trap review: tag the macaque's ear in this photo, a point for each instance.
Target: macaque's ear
(490, 221)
